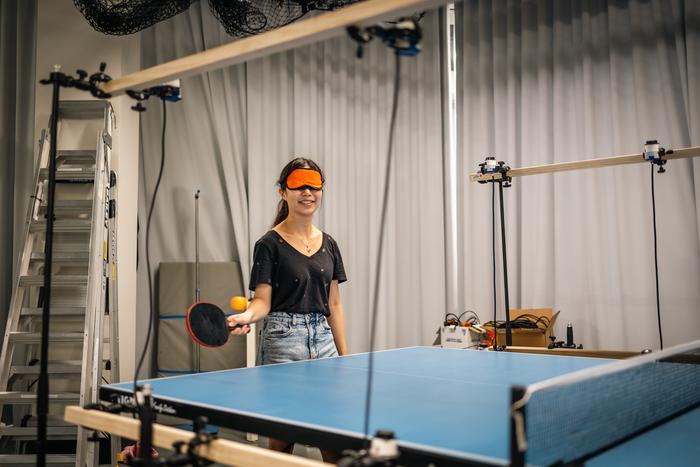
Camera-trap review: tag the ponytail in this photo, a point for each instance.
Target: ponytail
(282, 212)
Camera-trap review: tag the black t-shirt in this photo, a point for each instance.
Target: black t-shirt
(300, 283)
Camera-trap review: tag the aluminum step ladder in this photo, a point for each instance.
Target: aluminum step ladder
(83, 337)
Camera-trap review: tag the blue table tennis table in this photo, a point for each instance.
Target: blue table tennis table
(445, 406)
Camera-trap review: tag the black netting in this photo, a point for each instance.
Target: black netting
(120, 17)
(239, 17)
(247, 17)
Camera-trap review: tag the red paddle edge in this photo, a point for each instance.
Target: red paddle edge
(189, 329)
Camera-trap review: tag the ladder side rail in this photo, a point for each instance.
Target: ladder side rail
(98, 369)
(100, 304)
(23, 261)
(106, 144)
(115, 441)
(92, 339)
(42, 163)
(112, 304)
(109, 119)
(110, 124)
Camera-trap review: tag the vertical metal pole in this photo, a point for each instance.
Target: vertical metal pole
(509, 335)
(517, 427)
(452, 166)
(43, 398)
(196, 247)
(197, 294)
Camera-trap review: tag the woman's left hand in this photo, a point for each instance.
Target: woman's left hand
(239, 324)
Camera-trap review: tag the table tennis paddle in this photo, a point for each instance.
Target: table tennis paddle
(207, 325)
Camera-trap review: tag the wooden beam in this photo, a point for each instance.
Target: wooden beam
(587, 164)
(296, 34)
(219, 450)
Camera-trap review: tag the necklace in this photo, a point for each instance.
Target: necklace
(307, 244)
(305, 241)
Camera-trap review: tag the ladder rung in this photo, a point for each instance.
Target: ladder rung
(79, 257)
(71, 367)
(82, 109)
(56, 281)
(53, 432)
(20, 460)
(65, 207)
(78, 301)
(62, 225)
(55, 311)
(73, 174)
(76, 156)
(35, 337)
(17, 397)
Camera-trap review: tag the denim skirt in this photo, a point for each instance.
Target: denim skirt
(290, 337)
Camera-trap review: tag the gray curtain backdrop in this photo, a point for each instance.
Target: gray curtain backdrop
(17, 80)
(205, 145)
(237, 127)
(554, 81)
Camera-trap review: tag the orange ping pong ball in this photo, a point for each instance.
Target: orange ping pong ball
(239, 303)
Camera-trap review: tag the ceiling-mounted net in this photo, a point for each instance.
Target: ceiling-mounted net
(120, 17)
(239, 17)
(248, 17)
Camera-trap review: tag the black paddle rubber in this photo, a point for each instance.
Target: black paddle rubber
(207, 324)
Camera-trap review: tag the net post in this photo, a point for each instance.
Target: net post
(517, 427)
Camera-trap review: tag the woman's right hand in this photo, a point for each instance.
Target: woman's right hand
(239, 324)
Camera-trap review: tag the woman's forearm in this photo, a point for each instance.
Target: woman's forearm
(259, 306)
(258, 309)
(337, 323)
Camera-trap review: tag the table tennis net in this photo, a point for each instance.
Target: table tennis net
(570, 418)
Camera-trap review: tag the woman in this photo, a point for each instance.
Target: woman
(295, 276)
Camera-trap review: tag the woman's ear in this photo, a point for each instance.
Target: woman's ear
(283, 195)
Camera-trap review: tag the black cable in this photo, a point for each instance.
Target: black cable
(151, 305)
(656, 259)
(475, 317)
(385, 199)
(534, 319)
(525, 321)
(493, 250)
(458, 319)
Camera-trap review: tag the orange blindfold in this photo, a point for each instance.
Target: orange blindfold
(299, 179)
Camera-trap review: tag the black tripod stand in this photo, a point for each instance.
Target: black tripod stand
(499, 172)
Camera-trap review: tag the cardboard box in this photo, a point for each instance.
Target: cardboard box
(528, 337)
